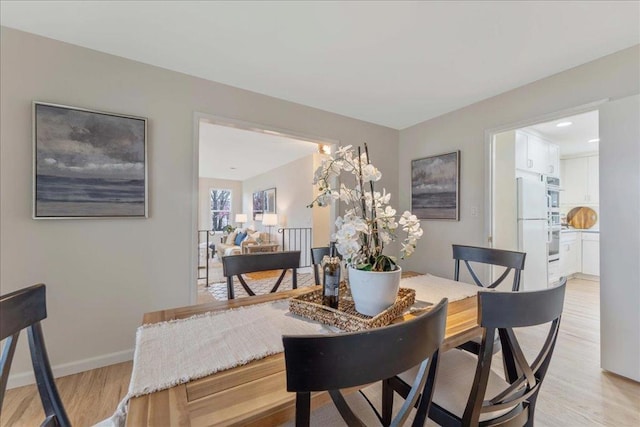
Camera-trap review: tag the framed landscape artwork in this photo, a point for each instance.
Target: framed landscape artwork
(435, 184)
(258, 205)
(88, 164)
(264, 201)
(270, 200)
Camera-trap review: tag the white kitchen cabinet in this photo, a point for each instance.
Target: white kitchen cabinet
(570, 253)
(533, 154)
(538, 154)
(554, 160)
(591, 253)
(522, 156)
(579, 180)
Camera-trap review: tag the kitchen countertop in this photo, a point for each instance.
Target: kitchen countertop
(573, 230)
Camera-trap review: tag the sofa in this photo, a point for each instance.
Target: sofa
(233, 245)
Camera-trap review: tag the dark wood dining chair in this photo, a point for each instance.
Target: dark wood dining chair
(24, 309)
(510, 260)
(338, 361)
(468, 392)
(237, 265)
(317, 254)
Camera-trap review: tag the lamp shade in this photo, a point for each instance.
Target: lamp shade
(241, 217)
(269, 219)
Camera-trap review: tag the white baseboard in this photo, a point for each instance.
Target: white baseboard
(20, 379)
(587, 277)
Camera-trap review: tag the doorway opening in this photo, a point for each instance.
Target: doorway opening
(251, 190)
(545, 198)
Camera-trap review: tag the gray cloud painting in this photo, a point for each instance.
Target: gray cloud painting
(434, 186)
(88, 164)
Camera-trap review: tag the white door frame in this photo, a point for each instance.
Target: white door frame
(489, 149)
(238, 124)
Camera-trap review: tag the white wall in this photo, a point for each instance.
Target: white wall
(204, 200)
(620, 237)
(323, 217)
(103, 274)
(613, 76)
(505, 204)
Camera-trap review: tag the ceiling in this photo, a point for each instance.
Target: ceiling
(573, 139)
(391, 63)
(237, 154)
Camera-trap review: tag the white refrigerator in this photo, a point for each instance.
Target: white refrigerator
(533, 233)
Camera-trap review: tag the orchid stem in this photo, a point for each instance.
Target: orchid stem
(374, 224)
(362, 201)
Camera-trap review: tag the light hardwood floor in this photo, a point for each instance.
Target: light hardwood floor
(576, 392)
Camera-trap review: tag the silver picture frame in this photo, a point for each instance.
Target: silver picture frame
(88, 163)
(435, 187)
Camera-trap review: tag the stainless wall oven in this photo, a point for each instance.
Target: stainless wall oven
(554, 244)
(553, 193)
(553, 216)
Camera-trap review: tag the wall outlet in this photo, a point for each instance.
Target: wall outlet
(474, 211)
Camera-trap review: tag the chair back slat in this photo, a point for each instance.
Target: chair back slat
(233, 265)
(512, 310)
(492, 256)
(24, 309)
(333, 362)
(511, 260)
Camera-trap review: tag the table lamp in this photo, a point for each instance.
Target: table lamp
(269, 219)
(241, 219)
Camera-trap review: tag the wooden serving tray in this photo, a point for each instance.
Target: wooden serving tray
(346, 317)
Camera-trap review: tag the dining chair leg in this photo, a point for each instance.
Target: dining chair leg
(303, 409)
(230, 293)
(387, 402)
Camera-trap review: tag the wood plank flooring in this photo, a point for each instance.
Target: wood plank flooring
(88, 397)
(576, 392)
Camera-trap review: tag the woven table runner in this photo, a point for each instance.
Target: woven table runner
(178, 351)
(432, 288)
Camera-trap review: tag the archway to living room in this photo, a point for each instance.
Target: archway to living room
(252, 187)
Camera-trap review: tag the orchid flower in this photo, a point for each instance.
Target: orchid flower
(369, 223)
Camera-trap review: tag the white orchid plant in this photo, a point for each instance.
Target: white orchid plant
(370, 222)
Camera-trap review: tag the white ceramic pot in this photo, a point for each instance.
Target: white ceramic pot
(374, 291)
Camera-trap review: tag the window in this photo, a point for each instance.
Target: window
(220, 208)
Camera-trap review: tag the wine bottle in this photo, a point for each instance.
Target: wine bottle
(331, 278)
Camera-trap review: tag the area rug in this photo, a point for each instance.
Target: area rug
(261, 285)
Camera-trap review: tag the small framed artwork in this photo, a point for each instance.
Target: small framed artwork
(88, 164)
(270, 200)
(258, 205)
(435, 187)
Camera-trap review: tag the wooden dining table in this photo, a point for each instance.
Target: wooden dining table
(254, 394)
